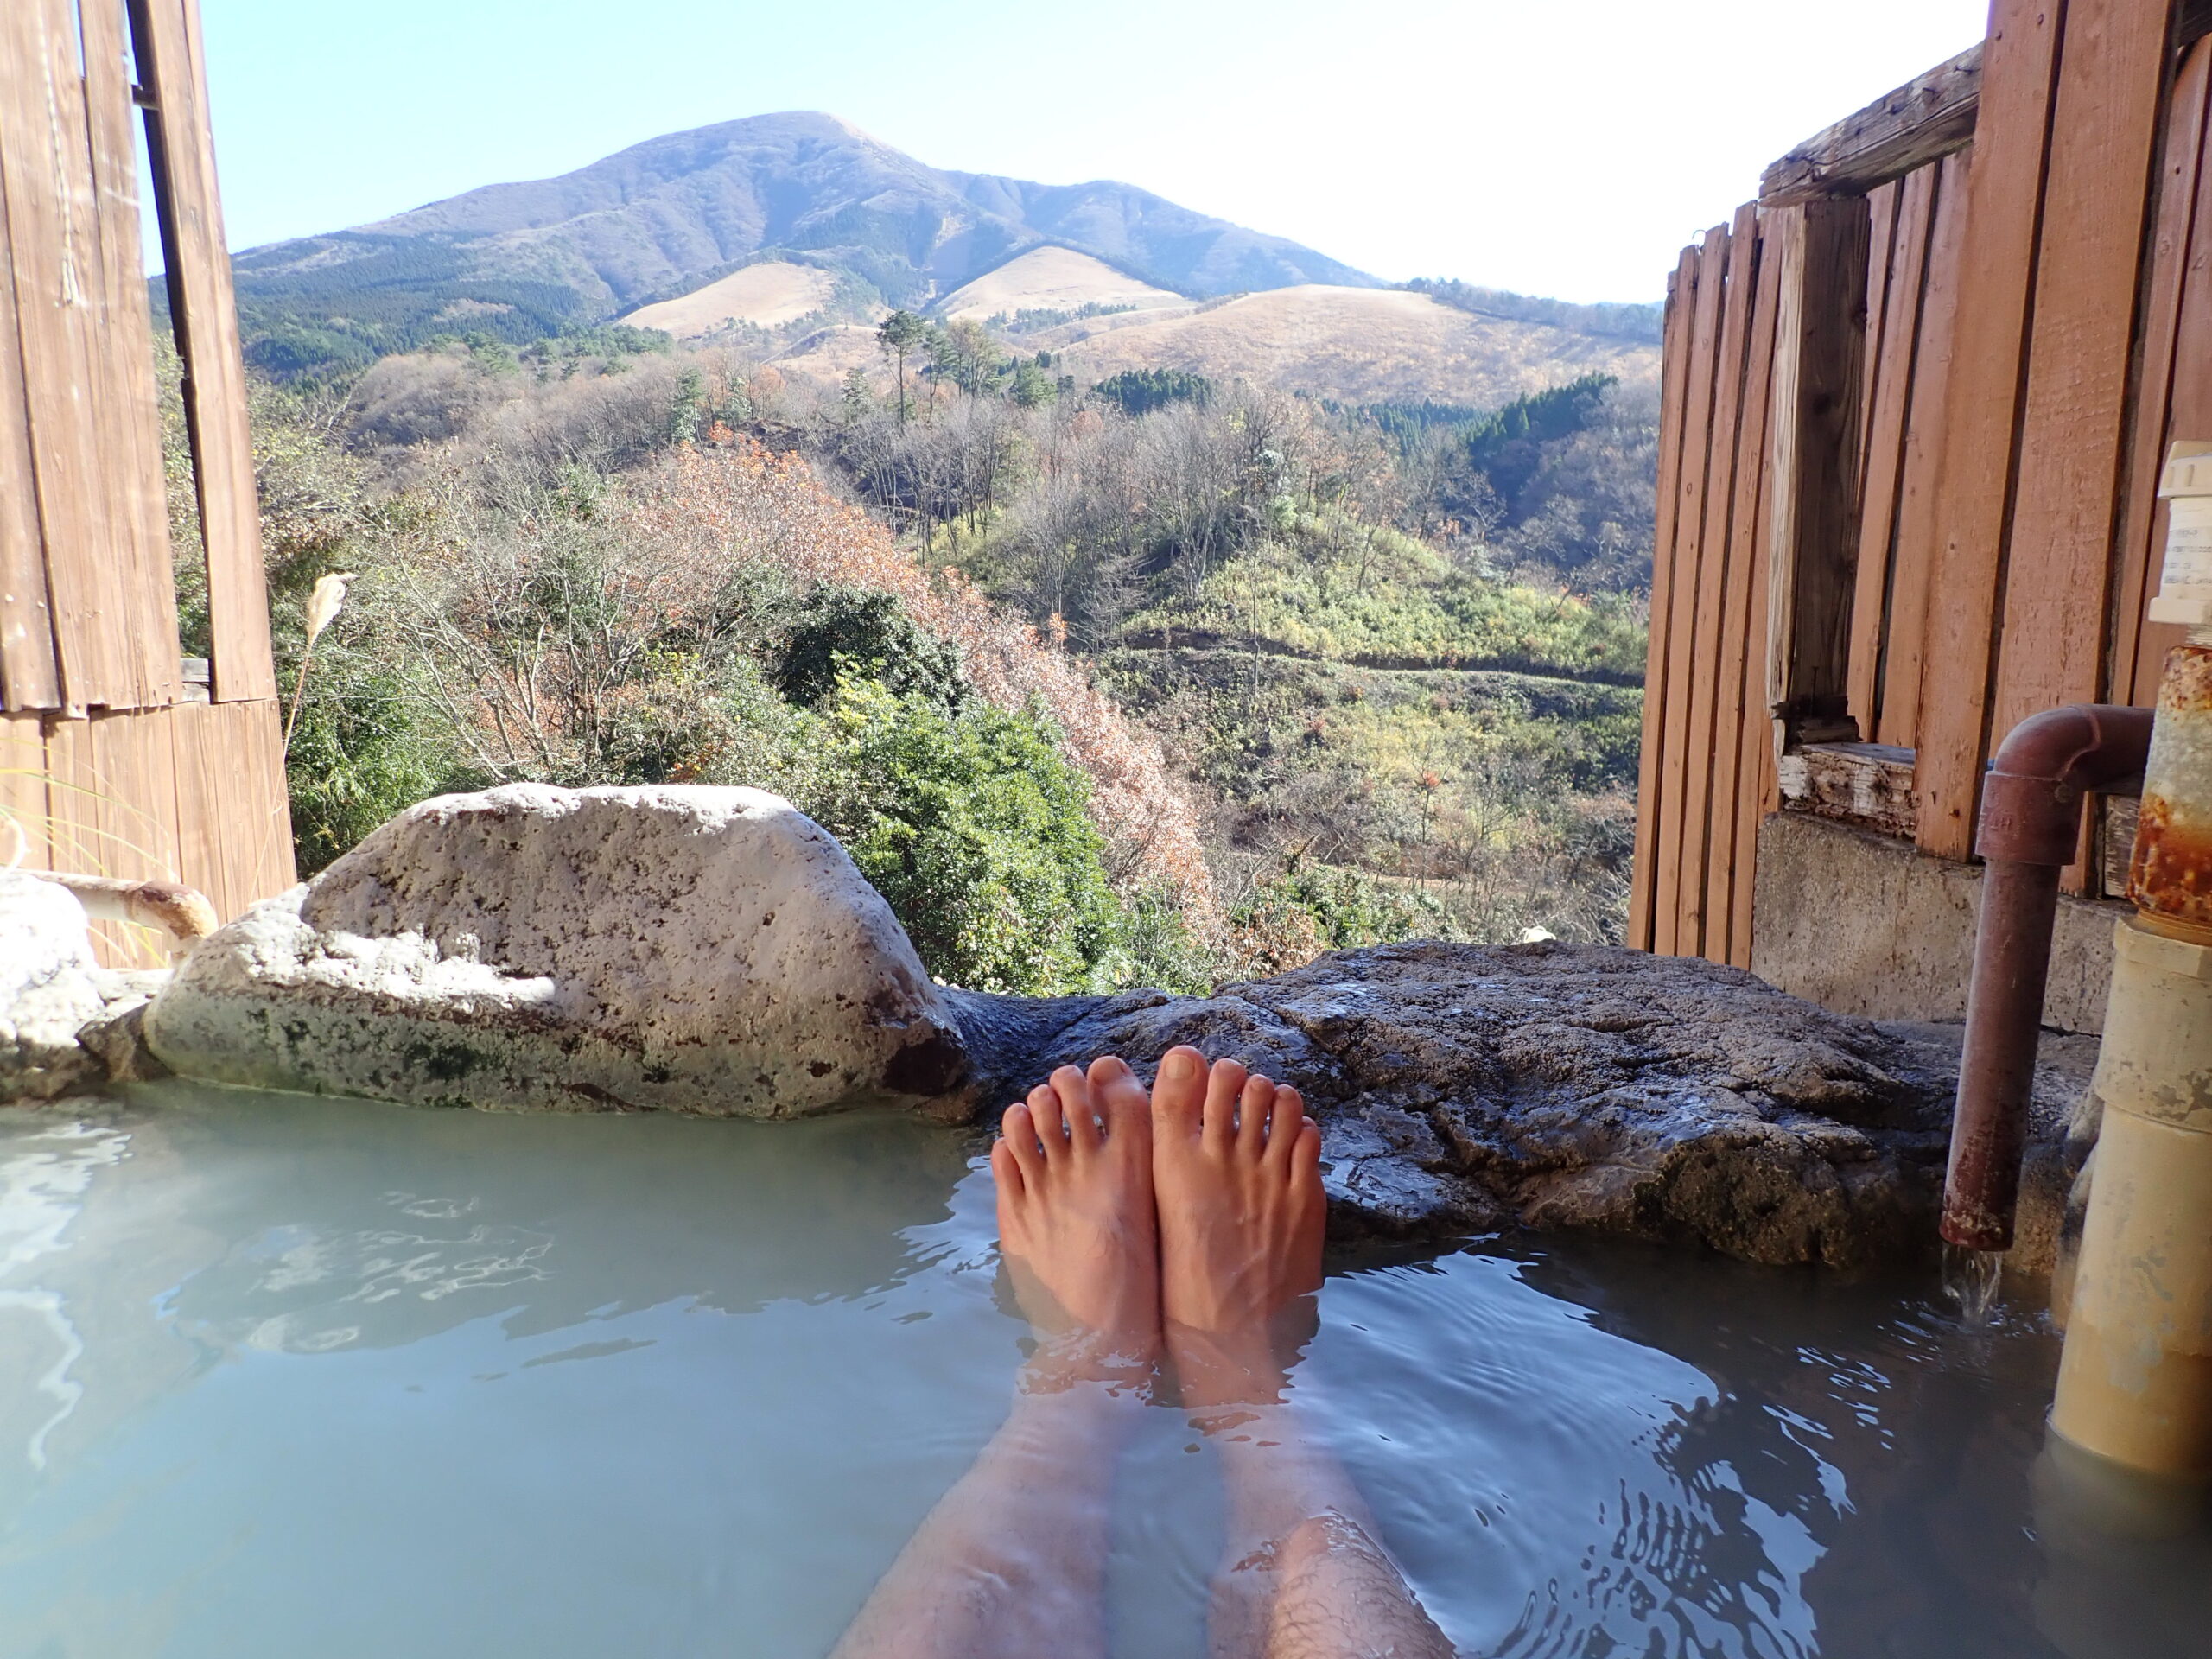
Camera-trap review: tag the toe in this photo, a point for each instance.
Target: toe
(1122, 1106)
(1074, 1090)
(1223, 1084)
(1283, 1126)
(1006, 1170)
(1177, 1093)
(1255, 1105)
(1305, 1164)
(1021, 1143)
(1051, 1126)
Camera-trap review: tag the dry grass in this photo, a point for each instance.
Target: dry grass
(1051, 279)
(766, 296)
(1357, 345)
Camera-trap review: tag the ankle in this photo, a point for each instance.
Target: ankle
(1090, 1362)
(1232, 1370)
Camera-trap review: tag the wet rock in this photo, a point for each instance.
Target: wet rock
(1460, 1088)
(696, 950)
(117, 1038)
(49, 987)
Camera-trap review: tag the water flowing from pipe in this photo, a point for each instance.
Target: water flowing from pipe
(1970, 1279)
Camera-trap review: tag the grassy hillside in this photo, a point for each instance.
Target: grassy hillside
(1358, 704)
(1353, 346)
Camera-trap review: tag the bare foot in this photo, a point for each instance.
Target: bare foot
(1075, 1224)
(1236, 1171)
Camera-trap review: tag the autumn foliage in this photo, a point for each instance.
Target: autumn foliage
(708, 508)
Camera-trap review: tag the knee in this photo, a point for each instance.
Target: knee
(1341, 1597)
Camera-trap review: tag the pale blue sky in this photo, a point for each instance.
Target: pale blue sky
(1558, 148)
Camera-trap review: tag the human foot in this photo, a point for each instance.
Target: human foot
(1237, 1174)
(1076, 1222)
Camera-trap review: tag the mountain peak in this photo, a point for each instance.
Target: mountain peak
(672, 214)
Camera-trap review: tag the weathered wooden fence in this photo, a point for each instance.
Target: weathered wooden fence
(112, 760)
(1915, 405)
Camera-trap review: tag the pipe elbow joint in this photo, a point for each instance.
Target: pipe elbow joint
(2032, 798)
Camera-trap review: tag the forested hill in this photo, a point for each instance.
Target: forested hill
(524, 260)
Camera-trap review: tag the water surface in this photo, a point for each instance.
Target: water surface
(282, 1376)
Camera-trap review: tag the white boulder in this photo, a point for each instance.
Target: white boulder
(49, 988)
(669, 948)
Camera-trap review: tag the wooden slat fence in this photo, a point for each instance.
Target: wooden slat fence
(1705, 720)
(110, 761)
(2029, 326)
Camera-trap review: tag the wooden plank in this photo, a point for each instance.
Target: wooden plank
(1691, 563)
(1927, 118)
(1913, 545)
(1819, 348)
(1742, 727)
(234, 827)
(1895, 358)
(1975, 476)
(1761, 737)
(1867, 784)
(259, 743)
(1881, 237)
(23, 792)
(1699, 803)
(204, 785)
(129, 418)
(1681, 298)
(30, 675)
(166, 38)
(261, 831)
(134, 815)
(45, 171)
(2174, 395)
(2097, 192)
(1893, 306)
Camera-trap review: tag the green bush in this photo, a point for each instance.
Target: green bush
(851, 632)
(359, 754)
(973, 826)
(1348, 909)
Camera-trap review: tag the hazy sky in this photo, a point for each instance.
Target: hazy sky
(1557, 149)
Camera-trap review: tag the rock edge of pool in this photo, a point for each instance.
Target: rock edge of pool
(713, 951)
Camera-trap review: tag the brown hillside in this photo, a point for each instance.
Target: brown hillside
(1356, 344)
(1056, 279)
(767, 295)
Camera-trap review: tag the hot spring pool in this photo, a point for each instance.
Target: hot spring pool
(285, 1378)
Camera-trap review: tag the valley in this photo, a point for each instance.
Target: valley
(1101, 574)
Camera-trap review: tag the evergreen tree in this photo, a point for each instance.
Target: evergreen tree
(899, 335)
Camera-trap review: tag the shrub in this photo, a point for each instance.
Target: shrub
(1293, 914)
(860, 633)
(974, 827)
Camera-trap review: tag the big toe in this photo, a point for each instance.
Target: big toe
(1179, 1093)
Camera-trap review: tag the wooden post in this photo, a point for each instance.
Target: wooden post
(165, 36)
(1819, 346)
(1975, 475)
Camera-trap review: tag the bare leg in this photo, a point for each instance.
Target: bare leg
(1011, 1564)
(1237, 1174)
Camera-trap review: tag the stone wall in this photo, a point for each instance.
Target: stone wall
(1867, 925)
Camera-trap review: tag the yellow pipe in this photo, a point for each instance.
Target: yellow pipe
(2135, 1382)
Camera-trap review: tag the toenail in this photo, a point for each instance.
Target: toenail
(1182, 1066)
(1113, 1065)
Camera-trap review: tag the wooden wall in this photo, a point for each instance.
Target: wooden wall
(2029, 325)
(111, 763)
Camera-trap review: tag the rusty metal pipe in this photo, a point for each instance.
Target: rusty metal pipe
(2030, 830)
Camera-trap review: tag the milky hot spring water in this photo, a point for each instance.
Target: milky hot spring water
(283, 1377)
